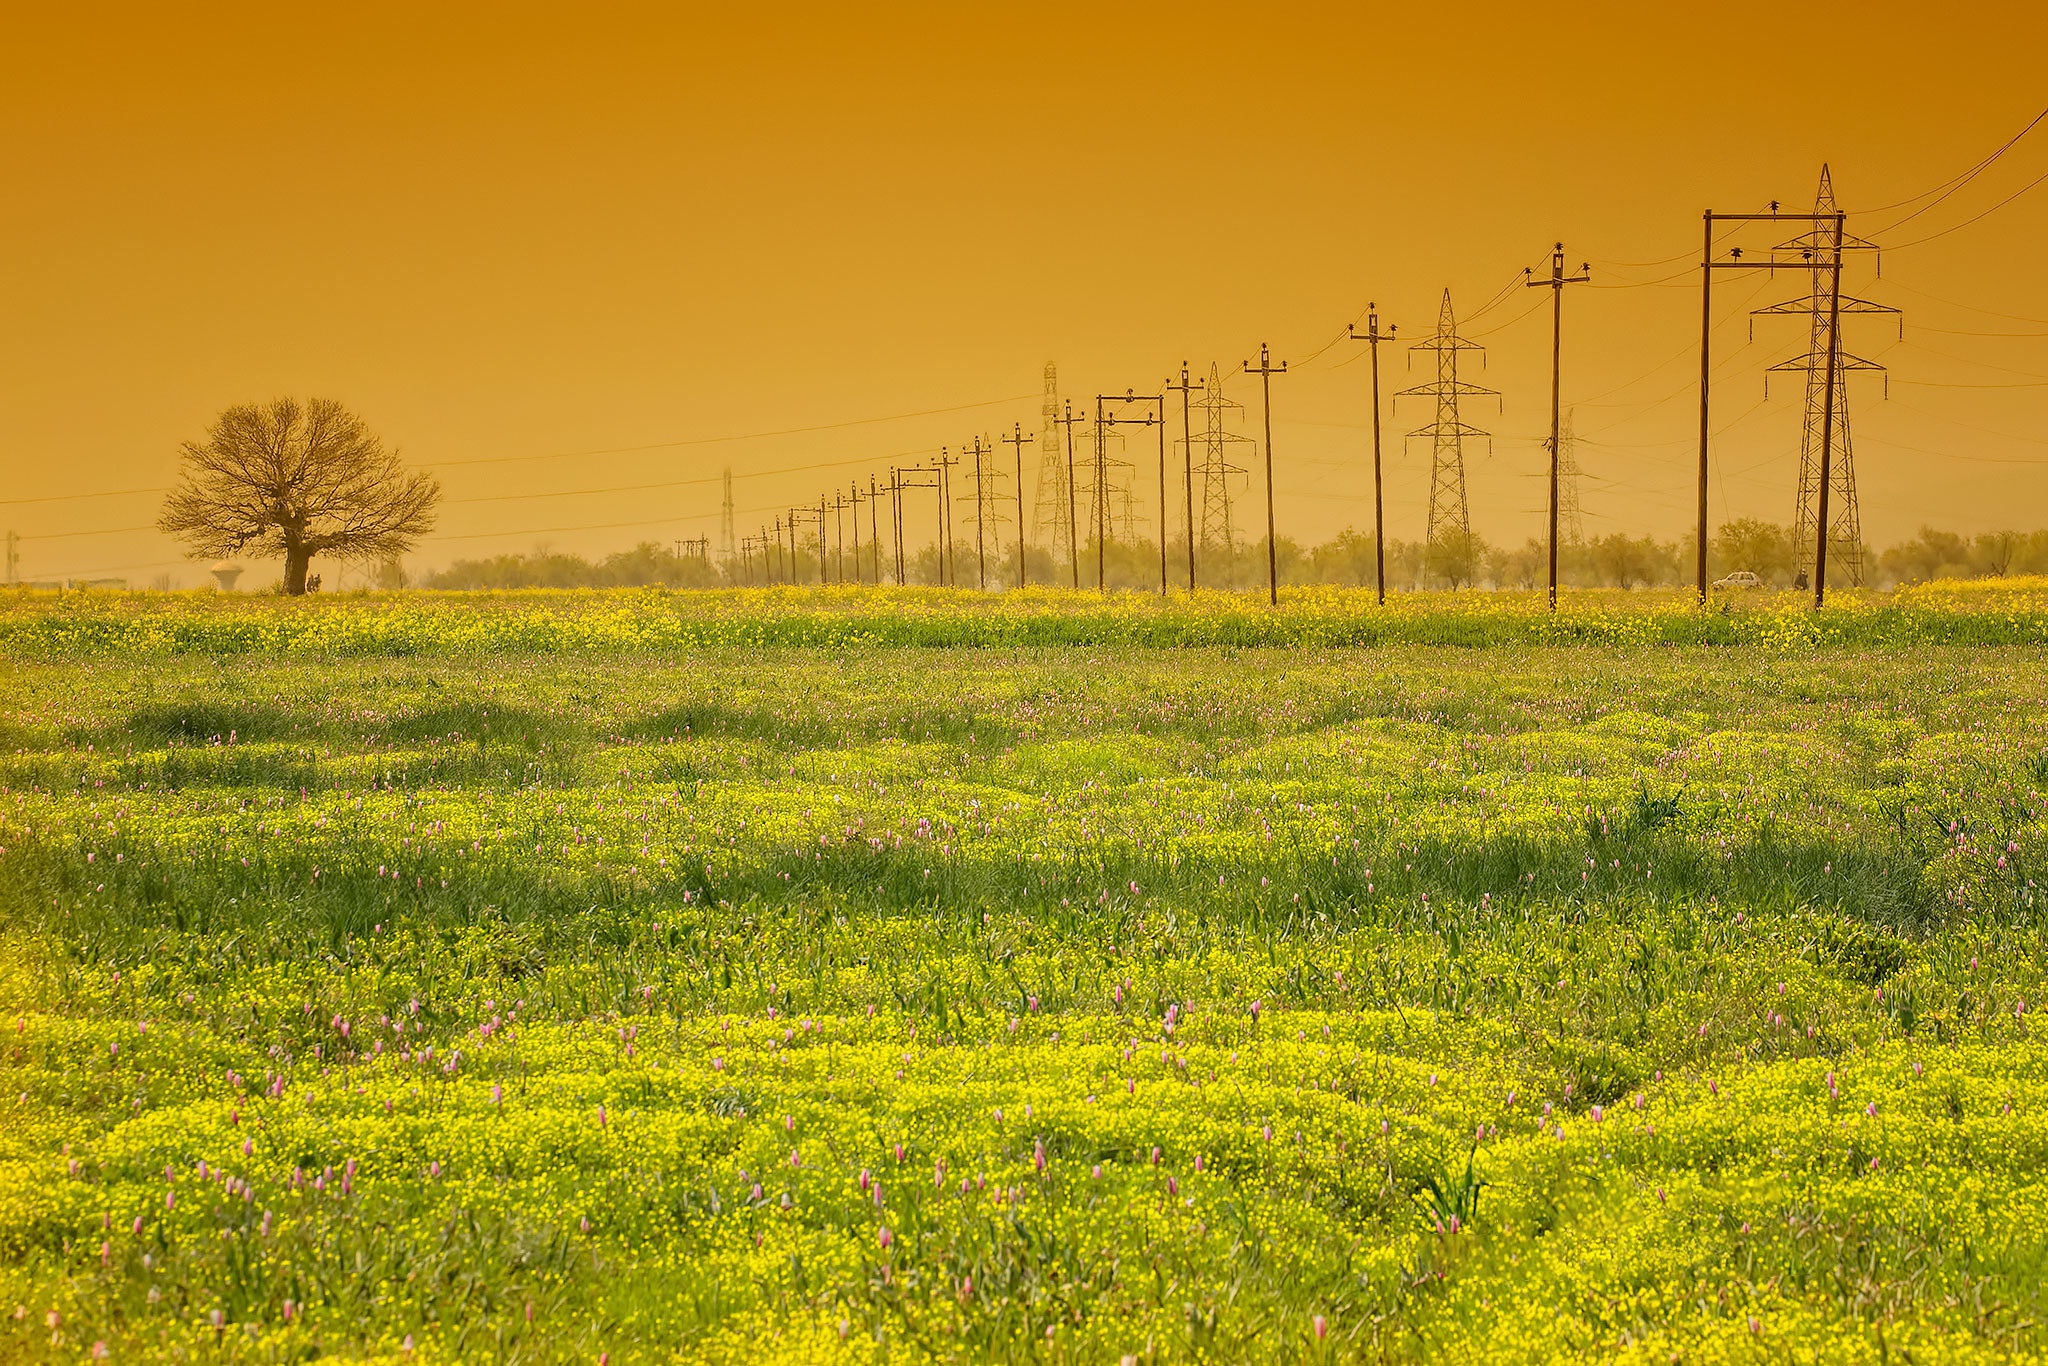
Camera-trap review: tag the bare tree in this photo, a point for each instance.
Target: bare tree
(297, 481)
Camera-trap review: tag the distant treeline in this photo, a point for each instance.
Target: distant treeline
(645, 564)
(1763, 548)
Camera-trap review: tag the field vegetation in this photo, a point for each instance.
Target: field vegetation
(1616, 560)
(874, 977)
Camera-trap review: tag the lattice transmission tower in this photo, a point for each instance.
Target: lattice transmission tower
(1213, 468)
(1449, 539)
(1571, 525)
(728, 544)
(1049, 522)
(1845, 532)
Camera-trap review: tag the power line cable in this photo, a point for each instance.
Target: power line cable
(740, 436)
(564, 455)
(68, 497)
(1957, 227)
(1964, 332)
(103, 531)
(1950, 186)
(1965, 360)
(1971, 426)
(1503, 326)
(1943, 384)
(1687, 255)
(1506, 292)
(682, 483)
(1969, 308)
(1958, 455)
(594, 526)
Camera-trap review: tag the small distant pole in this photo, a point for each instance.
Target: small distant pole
(1265, 371)
(874, 535)
(1555, 284)
(949, 570)
(980, 521)
(1101, 504)
(1187, 451)
(853, 497)
(1163, 517)
(1073, 511)
(822, 541)
(1017, 440)
(896, 513)
(839, 530)
(914, 478)
(1372, 336)
(942, 531)
(1102, 420)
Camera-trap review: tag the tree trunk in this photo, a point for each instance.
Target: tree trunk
(296, 558)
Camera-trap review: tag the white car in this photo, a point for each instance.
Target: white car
(1741, 578)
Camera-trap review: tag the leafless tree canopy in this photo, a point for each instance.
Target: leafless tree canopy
(296, 481)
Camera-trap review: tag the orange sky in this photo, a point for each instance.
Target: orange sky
(515, 231)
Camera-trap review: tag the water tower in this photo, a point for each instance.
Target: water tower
(225, 573)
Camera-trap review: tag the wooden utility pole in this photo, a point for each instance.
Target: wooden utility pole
(853, 501)
(1265, 371)
(949, 572)
(1016, 439)
(1555, 284)
(980, 518)
(1372, 337)
(1102, 420)
(912, 479)
(896, 516)
(1101, 504)
(874, 533)
(939, 472)
(1706, 342)
(1187, 451)
(821, 539)
(1073, 514)
(839, 528)
(1163, 517)
(1827, 429)
(1773, 261)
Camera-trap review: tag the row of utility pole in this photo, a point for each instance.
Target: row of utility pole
(772, 555)
(776, 549)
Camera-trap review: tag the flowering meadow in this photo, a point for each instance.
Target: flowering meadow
(2008, 611)
(641, 977)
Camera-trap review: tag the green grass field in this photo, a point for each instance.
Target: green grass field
(432, 985)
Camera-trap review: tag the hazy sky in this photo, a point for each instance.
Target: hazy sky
(509, 232)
